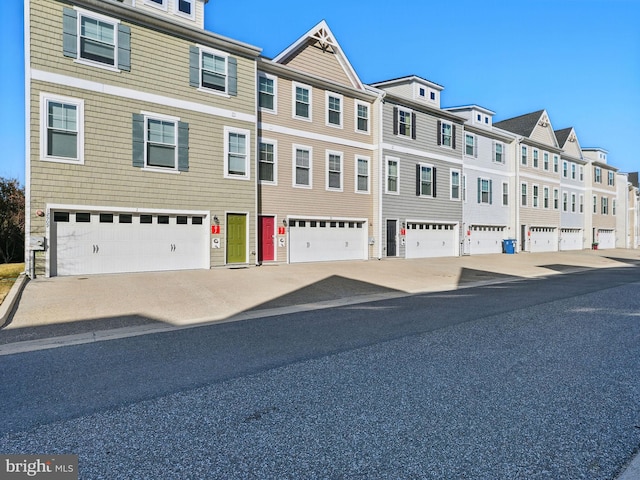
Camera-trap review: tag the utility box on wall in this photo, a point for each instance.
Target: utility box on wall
(36, 243)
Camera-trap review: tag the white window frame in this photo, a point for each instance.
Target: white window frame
(294, 165)
(535, 158)
(545, 197)
(611, 178)
(488, 192)
(556, 199)
(573, 171)
(535, 196)
(545, 161)
(160, 6)
(604, 201)
(433, 181)
(247, 155)
(163, 118)
(565, 169)
(597, 175)
(216, 53)
(357, 117)
(565, 202)
(328, 155)
(357, 174)
(581, 173)
(451, 175)
(556, 164)
(44, 117)
(327, 97)
(573, 203)
(443, 124)
(474, 144)
(495, 152)
(102, 18)
(294, 86)
(274, 79)
(524, 201)
(409, 114)
(595, 204)
(386, 176)
(505, 194)
(274, 144)
(581, 204)
(613, 206)
(524, 155)
(176, 9)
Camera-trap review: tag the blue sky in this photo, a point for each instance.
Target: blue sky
(578, 59)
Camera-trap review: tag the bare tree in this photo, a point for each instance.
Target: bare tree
(11, 221)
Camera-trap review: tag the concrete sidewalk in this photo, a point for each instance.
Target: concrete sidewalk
(71, 310)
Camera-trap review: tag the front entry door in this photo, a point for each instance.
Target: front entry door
(267, 235)
(236, 238)
(392, 233)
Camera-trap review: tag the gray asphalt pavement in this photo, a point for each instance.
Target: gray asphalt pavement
(533, 379)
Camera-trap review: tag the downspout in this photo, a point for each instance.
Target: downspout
(29, 259)
(518, 232)
(381, 178)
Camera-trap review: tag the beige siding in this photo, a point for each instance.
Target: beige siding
(572, 148)
(312, 59)
(543, 135)
(159, 62)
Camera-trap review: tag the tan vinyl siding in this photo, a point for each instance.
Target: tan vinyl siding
(572, 149)
(324, 64)
(159, 62)
(543, 135)
(108, 178)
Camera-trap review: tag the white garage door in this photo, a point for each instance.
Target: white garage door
(431, 240)
(327, 240)
(105, 242)
(485, 239)
(606, 239)
(544, 239)
(571, 239)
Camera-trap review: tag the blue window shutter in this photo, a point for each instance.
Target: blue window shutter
(453, 137)
(418, 180)
(70, 32)
(479, 190)
(395, 120)
(433, 180)
(232, 73)
(490, 192)
(413, 125)
(183, 146)
(124, 47)
(138, 140)
(194, 66)
(439, 132)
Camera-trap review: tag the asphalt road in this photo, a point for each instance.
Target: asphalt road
(533, 379)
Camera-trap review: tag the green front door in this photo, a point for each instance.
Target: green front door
(236, 238)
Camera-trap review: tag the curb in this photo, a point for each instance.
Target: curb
(10, 301)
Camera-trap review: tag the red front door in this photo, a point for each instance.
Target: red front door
(267, 239)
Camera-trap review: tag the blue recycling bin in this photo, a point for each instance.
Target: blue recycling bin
(509, 245)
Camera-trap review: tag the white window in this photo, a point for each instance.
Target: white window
(161, 142)
(556, 163)
(505, 194)
(523, 194)
(426, 181)
(157, 3)
(186, 8)
(573, 203)
(97, 40)
(301, 101)
(334, 109)
(334, 171)
(484, 191)
(535, 196)
(597, 175)
(446, 134)
(565, 200)
(455, 184)
(236, 153)
(523, 155)
(267, 92)
(392, 184)
(498, 152)
(213, 70)
(573, 171)
(613, 207)
(470, 145)
(362, 117)
(62, 129)
(545, 160)
(535, 158)
(581, 173)
(362, 174)
(267, 166)
(545, 197)
(565, 169)
(302, 166)
(605, 205)
(595, 204)
(581, 203)
(404, 122)
(611, 179)
(556, 198)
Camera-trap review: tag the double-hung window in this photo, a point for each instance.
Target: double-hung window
(362, 117)
(446, 134)
(565, 200)
(160, 142)
(581, 203)
(404, 123)
(362, 175)
(573, 203)
(565, 169)
(267, 92)
(611, 179)
(61, 131)
(301, 101)
(213, 71)
(425, 181)
(545, 197)
(556, 163)
(392, 184)
(605, 205)
(498, 152)
(267, 161)
(470, 145)
(523, 155)
(505, 194)
(535, 158)
(523, 194)
(302, 166)
(334, 109)
(334, 171)
(556, 198)
(536, 196)
(455, 184)
(613, 207)
(95, 39)
(581, 173)
(595, 204)
(236, 153)
(545, 161)
(485, 193)
(573, 171)
(597, 176)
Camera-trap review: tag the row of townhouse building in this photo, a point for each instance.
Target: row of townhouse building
(154, 144)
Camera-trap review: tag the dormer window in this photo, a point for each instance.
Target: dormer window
(185, 6)
(423, 93)
(157, 3)
(486, 120)
(432, 96)
(479, 117)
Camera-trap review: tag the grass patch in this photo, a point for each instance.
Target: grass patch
(9, 272)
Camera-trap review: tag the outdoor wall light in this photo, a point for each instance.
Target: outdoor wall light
(284, 222)
(216, 220)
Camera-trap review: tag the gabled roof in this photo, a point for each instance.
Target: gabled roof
(563, 135)
(322, 35)
(522, 125)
